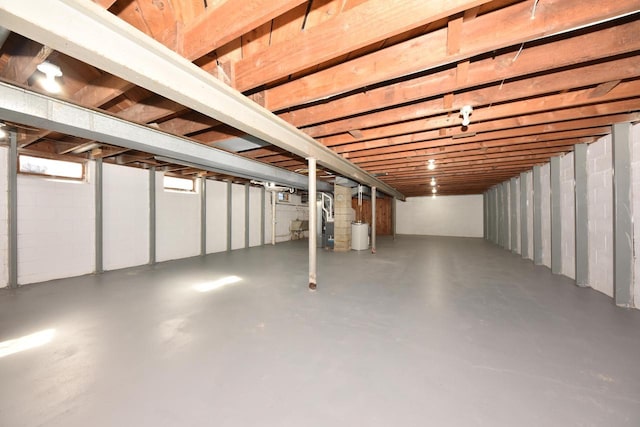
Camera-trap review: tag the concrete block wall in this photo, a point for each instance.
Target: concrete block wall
(568, 207)
(545, 191)
(286, 212)
(459, 216)
(600, 194)
(344, 215)
(529, 196)
(635, 188)
(56, 224)
(600, 214)
(4, 219)
(125, 217)
(216, 216)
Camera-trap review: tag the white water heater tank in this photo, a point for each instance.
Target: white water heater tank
(359, 236)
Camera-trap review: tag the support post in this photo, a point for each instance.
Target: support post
(623, 220)
(499, 215)
(514, 215)
(537, 216)
(506, 243)
(12, 170)
(262, 213)
(393, 217)
(203, 215)
(373, 220)
(524, 220)
(582, 215)
(247, 215)
(556, 217)
(152, 215)
(99, 219)
(229, 212)
(312, 224)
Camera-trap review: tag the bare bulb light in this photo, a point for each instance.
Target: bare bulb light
(431, 165)
(434, 190)
(433, 182)
(465, 112)
(50, 71)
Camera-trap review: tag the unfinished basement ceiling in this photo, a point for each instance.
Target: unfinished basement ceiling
(379, 82)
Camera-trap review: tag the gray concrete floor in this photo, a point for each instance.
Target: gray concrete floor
(429, 331)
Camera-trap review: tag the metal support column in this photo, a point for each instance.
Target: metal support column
(499, 215)
(490, 222)
(524, 220)
(373, 220)
(262, 214)
(203, 215)
(556, 217)
(312, 224)
(229, 212)
(273, 217)
(582, 214)
(152, 215)
(623, 220)
(514, 215)
(537, 216)
(506, 242)
(247, 215)
(99, 219)
(12, 180)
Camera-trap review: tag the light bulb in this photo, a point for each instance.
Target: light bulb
(50, 84)
(51, 71)
(433, 182)
(434, 190)
(465, 112)
(431, 166)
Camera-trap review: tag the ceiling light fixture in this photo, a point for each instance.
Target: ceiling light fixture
(433, 182)
(50, 72)
(434, 190)
(465, 112)
(431, 165)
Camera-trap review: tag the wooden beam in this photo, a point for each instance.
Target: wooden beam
(585, 76)
(581, 48)
(236, 17)
(496, 30)
(344, 33)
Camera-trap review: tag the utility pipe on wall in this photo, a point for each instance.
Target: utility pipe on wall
(373, 220)
(312, 223)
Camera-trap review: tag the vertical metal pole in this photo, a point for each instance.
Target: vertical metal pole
(490, 211)
(582, 214)
(514, 215)
(12, 175)
(506, 242)
(524, 220)
(273, 218)
(262, 214)
(537, 216)
(99, 218)
(152, 215)
(556, 217)
(499, 214)
(393, 217)
(496, 217)
(229, 212)
(312, 223)
(623, 220)
(484, 215)
(373, 220)
(203, 215)
(247, 213)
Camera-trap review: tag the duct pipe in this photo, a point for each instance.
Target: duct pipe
(313, 212)
(373, 220)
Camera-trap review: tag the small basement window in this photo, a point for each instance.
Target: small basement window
(179, 184)
(50, 167)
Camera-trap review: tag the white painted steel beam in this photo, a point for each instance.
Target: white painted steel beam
(89, 33)
(21, 105)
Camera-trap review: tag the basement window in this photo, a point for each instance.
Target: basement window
(59, 169)
(173, 183)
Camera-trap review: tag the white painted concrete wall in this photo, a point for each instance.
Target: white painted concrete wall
(4, 218)
(287, 212)
(125, 216)
(568, 219)
(255, 216)
(177, 223)
(600, 189)
(237, 216)
(216, 216)
(517, 197)
(56, 228)
(441, 216)
(545, 204)
(635, 180)
(529, 196)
